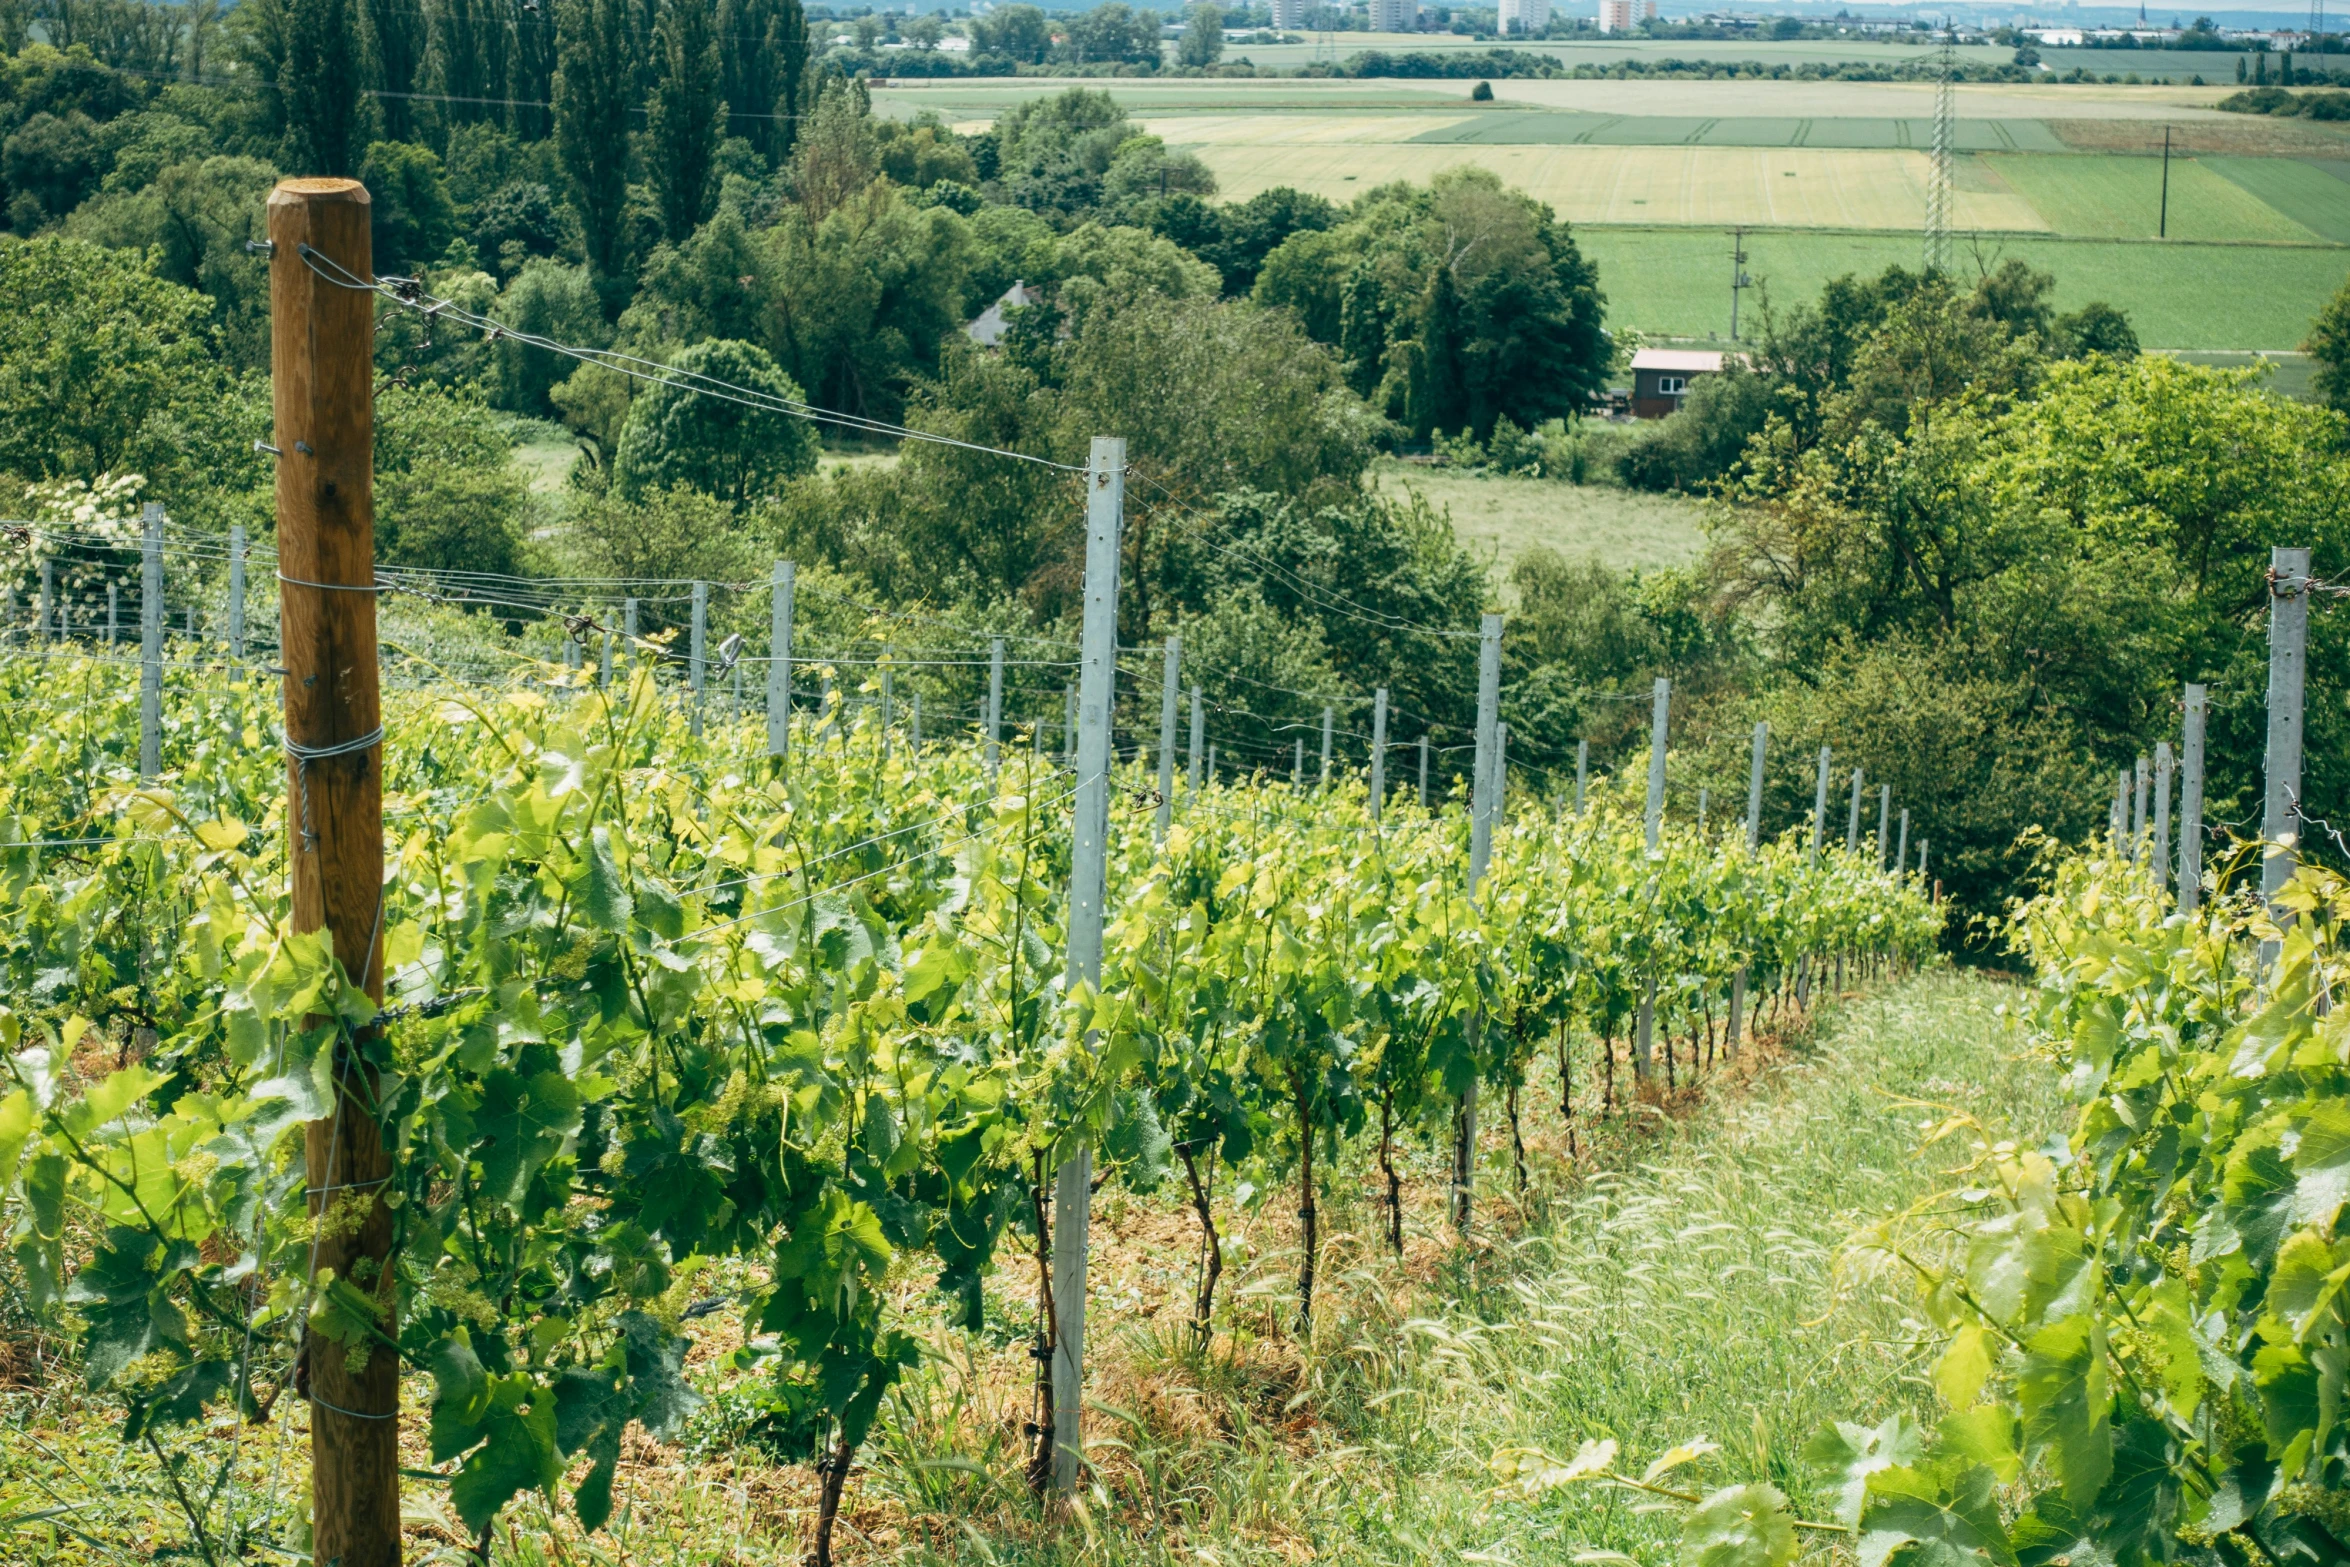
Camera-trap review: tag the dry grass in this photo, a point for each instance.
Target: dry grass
(2229, 135)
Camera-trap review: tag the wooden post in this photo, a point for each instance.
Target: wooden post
(322, 324)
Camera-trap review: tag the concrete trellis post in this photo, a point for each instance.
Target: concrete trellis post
(151, 642)
(2138, 783)
(697, 654)
(2191, 804)
(992, 720)
(1884, 826)
(1423, 772)
(1582, 772)
(1169, 695)
(1901, 847)
(113, 612)
(1852, 822)
(1328, 716)
(1199, 735)
(2158, 844)
(1754, 795)
(783, 582)
(1378, 752)
(236, 592)
(1073, 1183)
(1482, 793)
(2288, 634)
(1660, 713)
(1819, 808)
(45, 617)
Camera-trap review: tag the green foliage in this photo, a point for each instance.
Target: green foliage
(104, 368)
(447, 496)
(1202, 43)
(411, 213)
(738, 453)
(1454, 305)
(2148, 1316)
(322, 60)
(686, 119)
(194, 218)
(2329, 345)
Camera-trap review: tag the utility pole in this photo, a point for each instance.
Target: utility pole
(1739, 281)
(782, 583)
(2162, 226)
(2191, 804)
(322, 380)
(995, 703)
(1481, 813)
(1169, 696)
(2288, 640)
(1378, 753)
(2158, 845)
(1754, 794)
(1659, 716)
(151, 639)
(1199, 734)
(1105, 508)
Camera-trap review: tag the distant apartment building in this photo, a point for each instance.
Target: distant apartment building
(1526, 16)
(1395, 16)
(1621, 16)
(1289, 14)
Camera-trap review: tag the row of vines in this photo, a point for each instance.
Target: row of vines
(658, 1013)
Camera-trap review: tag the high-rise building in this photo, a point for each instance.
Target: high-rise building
(1289, 14)
(1615, 16)
(1395, 16)
(1525, 16)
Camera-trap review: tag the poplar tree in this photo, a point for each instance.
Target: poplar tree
(687, 117)
(593, 90)
(322, 112)
(395, 30)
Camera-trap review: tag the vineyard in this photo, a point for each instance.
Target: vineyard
(657, 1009)
(456, 1028)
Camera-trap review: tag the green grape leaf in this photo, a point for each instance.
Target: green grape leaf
(2321, 1165)
(517, 1451)
(1739, 1526)
(1848, 1454)
(599, 891)
(1945, 1516)
(2067, 1403)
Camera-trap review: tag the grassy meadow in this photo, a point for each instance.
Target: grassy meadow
(1502, 518)
(1826, 177)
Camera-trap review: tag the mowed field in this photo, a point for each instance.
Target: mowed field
(2250, 240)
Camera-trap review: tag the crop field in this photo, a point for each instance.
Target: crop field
(2314, 192)
(1669, 282)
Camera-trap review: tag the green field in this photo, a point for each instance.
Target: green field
(2102, 196)
(1826, 177)
(1675, 282)
(1502, 518)
(2315, 193)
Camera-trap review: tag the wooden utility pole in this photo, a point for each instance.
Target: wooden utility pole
(322, 325)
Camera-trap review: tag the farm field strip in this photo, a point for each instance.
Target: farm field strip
(2113, 197)
(1803, 187)
(1673, 282)
(2315, 193)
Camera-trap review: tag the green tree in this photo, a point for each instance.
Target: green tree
(448, 496)
(677, 534)
(687, 118)
(104, 367)
(676, 437)
(594, 86)
(194, 218)
(1203, 38)
(764, 51)
(546, 299)
(1019, 32)
(50, 163)
(322, 62)
(2329, 345)
(413, 218)
(837, 154)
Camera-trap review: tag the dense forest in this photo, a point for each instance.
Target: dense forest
(1973, 545)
